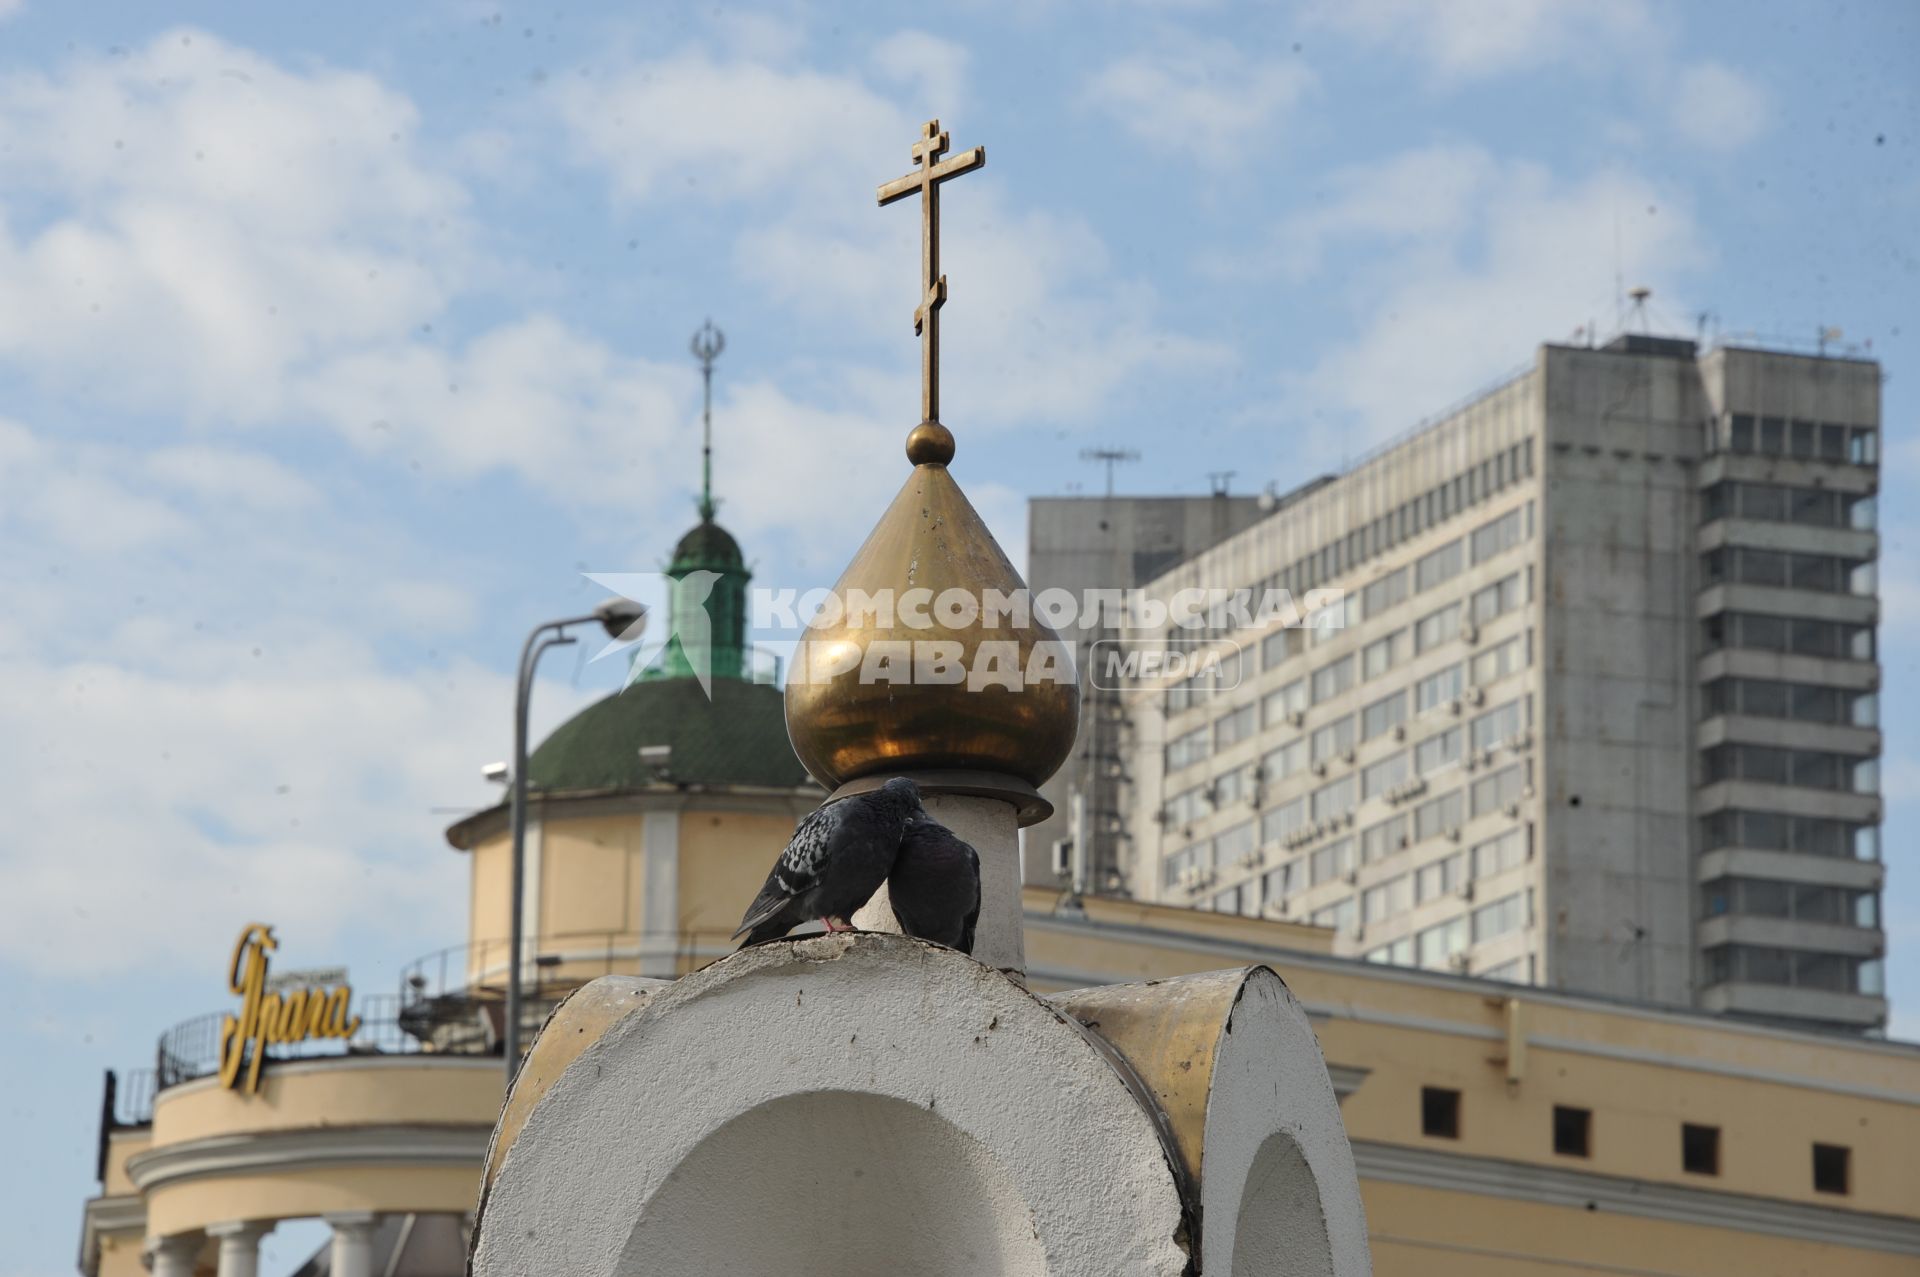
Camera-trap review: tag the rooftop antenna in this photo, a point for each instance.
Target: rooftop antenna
(1220, 480)
(706, 345)
(1828, 335)
(1639, 295)
(1112, 457)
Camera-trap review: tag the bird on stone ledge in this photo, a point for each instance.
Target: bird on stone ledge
(837, 859)
(935, 884)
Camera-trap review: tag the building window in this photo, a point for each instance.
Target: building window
(1806, 768)
(1377, 842)
(1830, 1168)
(1382, 594)
(1437, 689)
(1283, 820)
(1235, 726)
(1383, 715)
(1442, 876)
(1802, 835)
(1331, 680)
(1281, 705)
(1795, 968)
(1190, 747)
(1441, 565)
(1438, 816)
(1389, 773)
(1381, 655)
(1334, 738)
(1336, 799)
(1437, 751)
(1435, 628)
(1440, 1112)
(1799, 636)
(1800, 702)
(1442, 946)
(1699, 1149)
(1500, 534)
(1499, 918)
(1572, 1131)
(1285, 761)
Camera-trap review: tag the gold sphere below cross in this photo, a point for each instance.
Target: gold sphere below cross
(930, 444)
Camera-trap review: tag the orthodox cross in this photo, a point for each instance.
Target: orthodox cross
(707, 344)
(925, 181)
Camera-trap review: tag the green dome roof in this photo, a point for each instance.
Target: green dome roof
(737, 738)
(708, 546)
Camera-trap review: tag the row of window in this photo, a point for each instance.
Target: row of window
(1795, 968)
(1779, 503)
(1442, 945)
(1801, 835)
(1789, 570)
(1338, 738)
(1800, 702)
(1793, 635)
(1406, 521)
(1807, 440)
(1799, 901)
(1572, 1133)
(1277, 710)
(1433, 569)
(1778, 765)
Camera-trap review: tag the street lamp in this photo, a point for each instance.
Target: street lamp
(622, 619)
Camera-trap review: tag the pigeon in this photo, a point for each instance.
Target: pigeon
(935, 884)
(839, 856)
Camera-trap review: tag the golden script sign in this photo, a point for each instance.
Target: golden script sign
(282, 1015)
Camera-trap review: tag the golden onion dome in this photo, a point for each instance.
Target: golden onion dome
(865, 694)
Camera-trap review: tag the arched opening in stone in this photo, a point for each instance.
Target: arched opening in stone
(1281, 1230)
(836, 1184)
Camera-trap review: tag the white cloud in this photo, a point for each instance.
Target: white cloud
(691, 126)
(1471, 39)
(1204, 100)
(929, 72)
(201, 726)
(1717, 107)
(1461, 287)
(12, 8)
(222, 221)
(1042, 322)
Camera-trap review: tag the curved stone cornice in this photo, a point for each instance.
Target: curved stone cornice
(310, 1149)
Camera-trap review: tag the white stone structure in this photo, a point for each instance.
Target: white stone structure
(866, 1103)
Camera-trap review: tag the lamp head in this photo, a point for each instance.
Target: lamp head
(622, 618)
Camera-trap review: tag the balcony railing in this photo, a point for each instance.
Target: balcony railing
(450, 1002)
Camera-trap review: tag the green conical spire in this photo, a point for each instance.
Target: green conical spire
(707, 572)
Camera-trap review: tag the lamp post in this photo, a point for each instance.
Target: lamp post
(622, 619)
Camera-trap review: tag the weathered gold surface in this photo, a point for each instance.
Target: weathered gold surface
(930, 539)
(925, 182)
(1168, 1032)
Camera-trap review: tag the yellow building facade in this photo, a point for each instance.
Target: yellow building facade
(1498, 1129)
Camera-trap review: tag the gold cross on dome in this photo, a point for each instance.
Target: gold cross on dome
(925, 181)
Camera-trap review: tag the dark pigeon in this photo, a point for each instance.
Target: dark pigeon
(839, 856)
(935, 885)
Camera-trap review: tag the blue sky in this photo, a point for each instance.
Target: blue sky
(338, 341)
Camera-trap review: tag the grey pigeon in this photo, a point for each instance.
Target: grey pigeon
(839, 856)
(935, 885)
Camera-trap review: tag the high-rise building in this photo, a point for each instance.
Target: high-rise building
(1094, 543)
(1597, 710)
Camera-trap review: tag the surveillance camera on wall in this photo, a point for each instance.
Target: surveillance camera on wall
(498, 773)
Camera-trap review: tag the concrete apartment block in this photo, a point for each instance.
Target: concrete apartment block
(1602, 712)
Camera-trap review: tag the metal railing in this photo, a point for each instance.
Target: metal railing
(478, 969)
(389, 1025)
